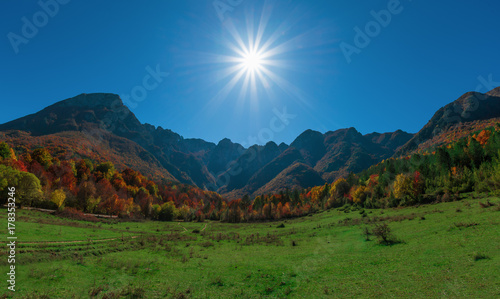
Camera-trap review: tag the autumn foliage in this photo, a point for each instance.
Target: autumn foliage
(471, 163)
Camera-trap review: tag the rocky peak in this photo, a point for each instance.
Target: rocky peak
(494, 92)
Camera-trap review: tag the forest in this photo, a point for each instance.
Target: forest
(439, 174)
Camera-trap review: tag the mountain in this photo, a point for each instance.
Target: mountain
(314, 158)
(472, 106)
(100, 126)
(494, 92)
(90, 114)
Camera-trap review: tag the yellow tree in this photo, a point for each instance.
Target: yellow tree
(58, 197)
(340, 188)
(403, 186)
(359, 195)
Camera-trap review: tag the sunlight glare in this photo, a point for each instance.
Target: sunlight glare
(252, 61)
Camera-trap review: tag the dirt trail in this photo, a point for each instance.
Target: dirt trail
(96, 240)
(185, 230)
(53, 211)
(68, 242)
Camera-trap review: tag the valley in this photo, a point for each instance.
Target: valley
(442, 250)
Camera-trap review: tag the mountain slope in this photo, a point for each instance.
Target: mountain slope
(92, 114)
(296, 176)
(472, 106)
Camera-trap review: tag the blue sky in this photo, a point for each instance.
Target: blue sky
(425, 56)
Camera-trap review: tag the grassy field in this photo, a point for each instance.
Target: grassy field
(449, 250)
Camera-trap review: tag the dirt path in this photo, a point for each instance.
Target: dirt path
(53, 211)
(69, 242)
(185, 230)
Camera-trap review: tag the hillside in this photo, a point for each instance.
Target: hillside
(101, 146)
(472, 106)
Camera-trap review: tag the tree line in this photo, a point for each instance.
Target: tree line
(469, 164)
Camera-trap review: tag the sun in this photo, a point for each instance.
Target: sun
(252, 61)
(256, 58)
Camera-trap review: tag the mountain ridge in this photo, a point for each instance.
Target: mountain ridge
(228, 167)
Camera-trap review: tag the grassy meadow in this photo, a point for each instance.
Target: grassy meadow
(445, 250)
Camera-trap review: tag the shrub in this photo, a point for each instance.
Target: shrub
(384, 235)
(465, 224)
(480, 256)
(218, 282)
(95, 291)
(206, 244)
(134, 292)
(486, 205)
(367, 233)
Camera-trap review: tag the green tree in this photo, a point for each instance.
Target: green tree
(28, 187)
(42, 156)
(85, 192)
(107, 169)
(476, 153)
(443, 159)
(92, 203)
(6, 152)
(168, 212)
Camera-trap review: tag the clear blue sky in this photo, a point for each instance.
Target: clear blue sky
(429, 54)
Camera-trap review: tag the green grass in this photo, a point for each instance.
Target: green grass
(447, 250)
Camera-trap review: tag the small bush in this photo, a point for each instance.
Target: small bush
(488, 204)
(134, 292)
(384, 234)
(218, 282)
(207, 244)
(465, 224)
(367, 233)
(111, 295)
(96, 291)
(480, 256)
